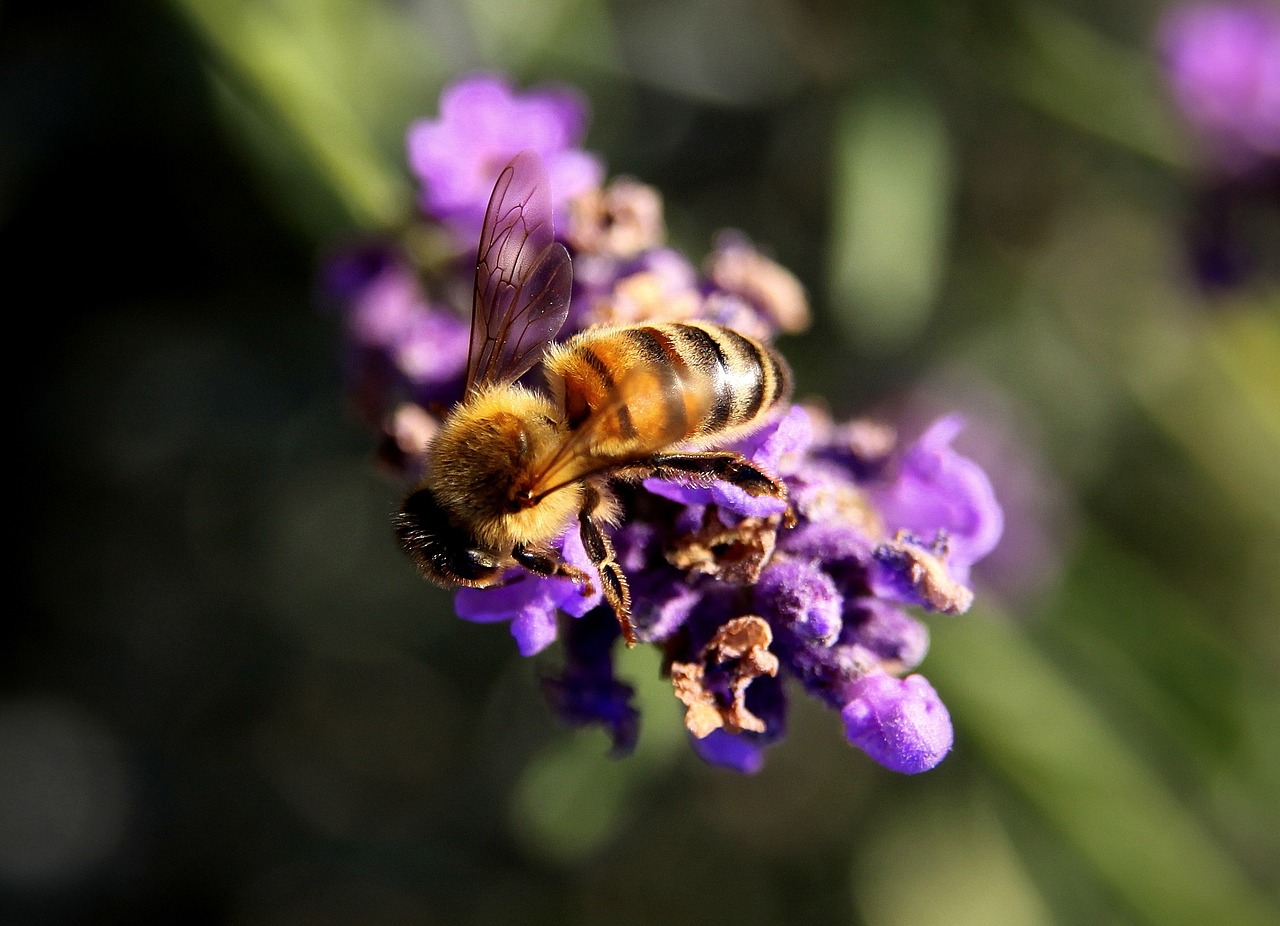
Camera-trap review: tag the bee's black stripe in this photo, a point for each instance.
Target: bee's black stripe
(754, 358)
(663, 356)
(592, 359)
(711, 361)
(781, 378)
(597, 365)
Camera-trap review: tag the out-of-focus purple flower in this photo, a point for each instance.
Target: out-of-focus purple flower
(586, 691)
(737, 268)
(657, 285)
(401, 347)
(482, 124)
(899, 722)
(622, 220)
(1222, 63)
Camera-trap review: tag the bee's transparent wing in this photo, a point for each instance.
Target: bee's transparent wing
(523, 277)
(649, 409)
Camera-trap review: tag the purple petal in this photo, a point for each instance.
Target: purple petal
(900, 723)
(483, 123)
(888, 632)
(568, 595)
(938, 490)
(347, 273)
(779, 447)
(662, 602)
(801, 597)
(534, 627)
(843, 551)
(384, 307)
(501, 602)
(527, 602)
(432, 348)
(731, 751)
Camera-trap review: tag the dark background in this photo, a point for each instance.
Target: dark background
(224, 696)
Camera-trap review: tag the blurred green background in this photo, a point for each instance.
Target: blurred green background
(225, 698)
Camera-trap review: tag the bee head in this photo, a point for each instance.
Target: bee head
(444, 554)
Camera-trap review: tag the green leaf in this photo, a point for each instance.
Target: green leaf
(1039, 732)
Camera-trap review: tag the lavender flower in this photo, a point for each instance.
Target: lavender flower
(747, 596)
(1222, 63)
(899, 722)
(482, 124)
(1222, 66)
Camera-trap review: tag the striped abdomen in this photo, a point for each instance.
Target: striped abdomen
(645, 387)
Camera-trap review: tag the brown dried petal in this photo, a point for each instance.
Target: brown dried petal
(621, 220)
(734, 554)
(741, 269)
(869, 441)
(701, 714)
(931, 578)
(744, 643)
(644, 297)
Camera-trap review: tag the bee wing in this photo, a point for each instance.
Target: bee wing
(647, 410)
(523, 277)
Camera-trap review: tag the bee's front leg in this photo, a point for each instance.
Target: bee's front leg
(598, 547)
(547, 563)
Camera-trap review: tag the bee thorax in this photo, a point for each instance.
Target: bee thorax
(483, 462)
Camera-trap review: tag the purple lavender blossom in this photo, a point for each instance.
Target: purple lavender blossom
(482, 124)
(586, 692)
(937, 491)
(1222, 63)
(899, 722)
(745, 604)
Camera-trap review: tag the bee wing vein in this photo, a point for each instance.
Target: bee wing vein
(523, 277)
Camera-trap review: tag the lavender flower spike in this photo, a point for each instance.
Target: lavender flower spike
(748, 597)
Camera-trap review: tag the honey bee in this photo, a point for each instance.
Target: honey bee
(511, 467)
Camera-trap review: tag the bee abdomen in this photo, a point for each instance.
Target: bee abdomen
(745, 378)
(668, 383)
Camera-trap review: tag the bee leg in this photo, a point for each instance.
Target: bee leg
(601, 552)
(546, 563)
(722, 466)
(717, 465)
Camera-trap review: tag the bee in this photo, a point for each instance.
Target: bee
(512, 467)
